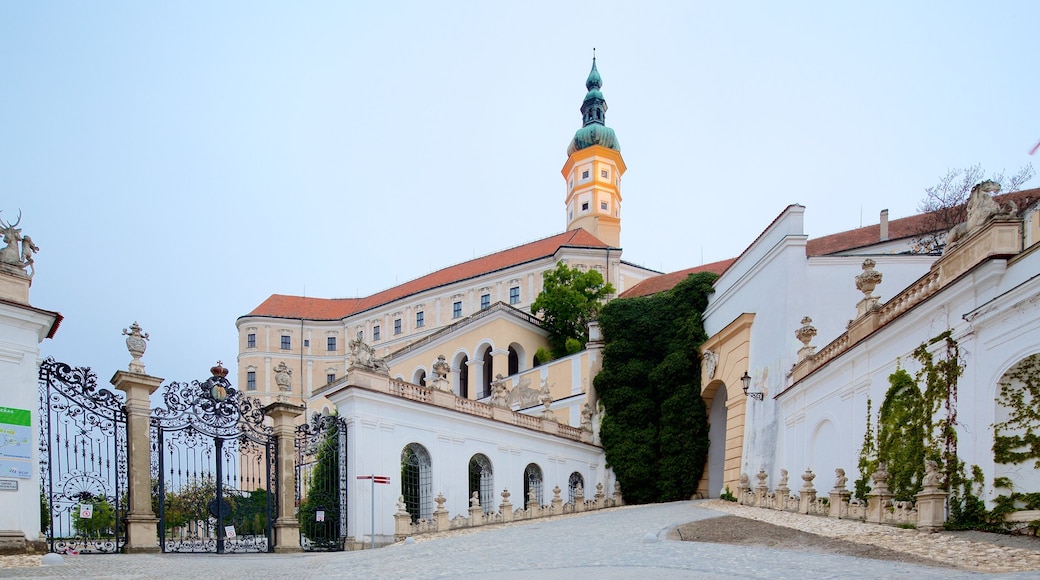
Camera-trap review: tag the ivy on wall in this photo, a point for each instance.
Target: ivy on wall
(655, 426)
(1017, 438)
(902, 421)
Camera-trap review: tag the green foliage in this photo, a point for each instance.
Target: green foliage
(569, 299)
(867, 458)
(901, 435)
(1017, 439)
(940, 400)
(543, 355)
(727, 495)
(323, 491)
(45, 513)
(655, 425)
(101, 522)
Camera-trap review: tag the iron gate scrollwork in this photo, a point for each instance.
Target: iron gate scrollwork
(83, 461)
(321, 483)
(213, 463)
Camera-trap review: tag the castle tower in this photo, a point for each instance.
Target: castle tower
(593, 170)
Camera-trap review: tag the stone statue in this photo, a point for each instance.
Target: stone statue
(579, 491)
(744, 479)
(499, 393)
(545, 398)
(364, 356)
(761, 476)
(532, 496)
(711, 360)
(839, 478)
(586, 417)
(135, 343)
(401, 507)
(283, 377)
(474, 500)
(12, 257)
(522, 394)
(931, 474)
(441, 368)
(808, 478)
(783, 478)
(981, 207)
(868, 279)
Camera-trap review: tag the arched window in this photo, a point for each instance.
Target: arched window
(417, 481)
(573, 482)
(419, 378)
(482, 481)
(485, 386)
(514, 361)
(464, 377)
(535, 362)
(533, 482)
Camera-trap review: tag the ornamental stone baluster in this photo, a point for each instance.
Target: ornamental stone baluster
(557, 501)
(506, 508)
(476, 513)
(579, 498)
(805, 334)
(761, 489)
(931, 501)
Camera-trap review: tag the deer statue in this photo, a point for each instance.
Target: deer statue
(12, 235)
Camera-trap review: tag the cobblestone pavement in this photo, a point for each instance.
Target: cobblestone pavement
(626, 542)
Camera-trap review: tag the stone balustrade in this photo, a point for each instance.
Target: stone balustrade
(476, 517)
(927, 513)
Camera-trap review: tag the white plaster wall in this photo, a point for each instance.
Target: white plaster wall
(21, 331)
(380, 426)
(995, 316)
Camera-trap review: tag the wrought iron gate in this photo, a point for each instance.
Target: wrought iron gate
(321, 483)
(213, 460)
(83, 461)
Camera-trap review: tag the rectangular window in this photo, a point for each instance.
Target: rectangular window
(286, 343)
(420, 319)
(604, 174)
(514, 295)
(485, 301)
(251, 380)
(375, 332)
(456, 309)
(331, 347)
(330, 378)
(585, 206)
(584, 174)
(397, 326)
(603, 205)
(251, 340)
(306, 343)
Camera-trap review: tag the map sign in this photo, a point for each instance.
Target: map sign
(15, 443)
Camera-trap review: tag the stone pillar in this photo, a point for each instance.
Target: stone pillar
(599, 496)
(579, 499)
(286, 526)
(440, 515)
(743, 489)
(839, 495)
(931, 501)
(618, 500)
(761, 488)
(141, 521)
(476, 513)
(783, 493)
(557, 501)
(879, 496)
(506, 508)
(808, 492)
(402, 521)
(475, 370)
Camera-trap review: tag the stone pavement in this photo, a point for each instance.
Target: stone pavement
(619, 543)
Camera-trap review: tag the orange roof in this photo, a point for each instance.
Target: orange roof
(668, 281)
(900, 228)
(825, 245)
(282, 306)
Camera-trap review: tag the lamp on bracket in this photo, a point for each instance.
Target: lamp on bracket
(745, 382)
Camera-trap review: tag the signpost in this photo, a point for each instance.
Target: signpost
(382, 479)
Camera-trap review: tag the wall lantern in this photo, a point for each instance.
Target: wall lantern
(745, 381)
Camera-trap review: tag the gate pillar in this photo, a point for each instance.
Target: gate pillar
(141, 521)
(286, 526)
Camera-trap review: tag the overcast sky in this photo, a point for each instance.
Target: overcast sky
(179, 162)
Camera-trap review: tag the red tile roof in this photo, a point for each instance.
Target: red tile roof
(668, 281)
(282, 306)
(825, 245)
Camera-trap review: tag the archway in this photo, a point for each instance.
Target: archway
(417, 481)
(717, 415)
(482, 481)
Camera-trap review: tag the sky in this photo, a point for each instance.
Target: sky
(179, 162)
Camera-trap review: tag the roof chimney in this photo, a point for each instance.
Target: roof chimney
(884, 225)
